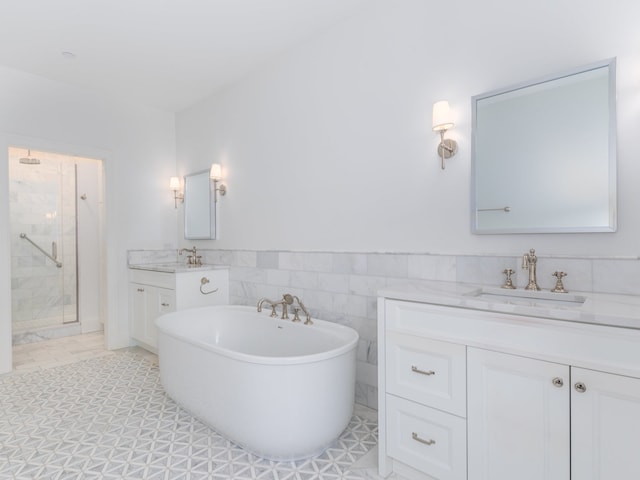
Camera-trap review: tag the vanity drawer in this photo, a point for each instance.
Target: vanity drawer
(157, 279)
(427, 439)
(426, 371)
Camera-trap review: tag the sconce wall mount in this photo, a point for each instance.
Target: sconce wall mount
(174, 186)
(442, 121)
(215, 173)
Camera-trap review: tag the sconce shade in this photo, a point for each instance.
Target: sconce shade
(174, 184)
(216, 171)
(442, 119)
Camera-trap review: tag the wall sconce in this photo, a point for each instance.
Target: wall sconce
(443, 121)
(174, 185)
(216, 175)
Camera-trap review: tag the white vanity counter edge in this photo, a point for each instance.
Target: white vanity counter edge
(175, 267)
(598, 308)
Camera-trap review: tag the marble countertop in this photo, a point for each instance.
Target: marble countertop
(584, 307)
(175, 267)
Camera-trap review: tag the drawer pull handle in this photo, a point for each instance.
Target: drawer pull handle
(422, 372)
(165, 304)
(429, 442)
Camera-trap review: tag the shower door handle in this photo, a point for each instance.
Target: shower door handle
(54, 250)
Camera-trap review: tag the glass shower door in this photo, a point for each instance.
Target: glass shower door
(43, 226)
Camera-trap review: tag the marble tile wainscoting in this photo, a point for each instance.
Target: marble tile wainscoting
(342, 287)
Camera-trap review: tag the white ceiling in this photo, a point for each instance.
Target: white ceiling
(165, 53)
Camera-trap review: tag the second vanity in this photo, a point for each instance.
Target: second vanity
(477, 383)
(163, 288)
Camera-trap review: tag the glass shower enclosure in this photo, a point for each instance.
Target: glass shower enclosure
(43, 212)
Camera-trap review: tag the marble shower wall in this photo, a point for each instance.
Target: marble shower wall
(342, 287)
(42, 205)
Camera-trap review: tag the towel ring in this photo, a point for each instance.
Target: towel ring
(203, 282)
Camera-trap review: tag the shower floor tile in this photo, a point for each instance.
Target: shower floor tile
(109, 418)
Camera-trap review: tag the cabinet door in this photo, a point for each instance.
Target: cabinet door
(138, 310)
(518, 417)
(161, 300)
(605, 426)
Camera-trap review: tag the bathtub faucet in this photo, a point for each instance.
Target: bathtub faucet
(286, 300)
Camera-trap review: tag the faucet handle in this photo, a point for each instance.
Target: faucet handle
(559, 288)
(296, 317)
(509, 283)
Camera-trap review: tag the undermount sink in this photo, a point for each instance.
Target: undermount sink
(528, 297)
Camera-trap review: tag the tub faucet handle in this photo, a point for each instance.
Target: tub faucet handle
(296, 317)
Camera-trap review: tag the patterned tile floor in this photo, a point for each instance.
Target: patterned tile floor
(108, 418)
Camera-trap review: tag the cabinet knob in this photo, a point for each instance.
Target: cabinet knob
(558, 382)
(417, 438)
(422, 372)
(141, 289)
(165, 304)
(580, 387)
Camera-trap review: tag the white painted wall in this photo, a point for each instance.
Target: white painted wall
(90, 184)
(137, 145)
(330, 147)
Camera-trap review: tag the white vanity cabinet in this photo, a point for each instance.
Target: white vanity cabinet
(518, 417)
(478, 395)
(152, 293)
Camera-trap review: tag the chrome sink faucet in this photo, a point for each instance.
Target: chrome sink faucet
(194, 258)
(529, 261)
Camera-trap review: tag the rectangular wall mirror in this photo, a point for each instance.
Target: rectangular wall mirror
(544, 155)
(199, 207)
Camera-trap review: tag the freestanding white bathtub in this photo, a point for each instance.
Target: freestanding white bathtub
(281, 390)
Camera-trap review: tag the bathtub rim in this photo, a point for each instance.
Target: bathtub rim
(348, 334)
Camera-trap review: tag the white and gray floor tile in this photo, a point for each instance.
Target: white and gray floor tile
(108, 417)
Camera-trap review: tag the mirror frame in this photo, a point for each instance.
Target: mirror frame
(190, 232)
(610, 65)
